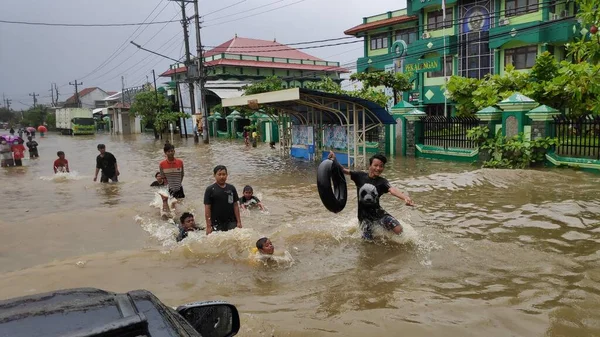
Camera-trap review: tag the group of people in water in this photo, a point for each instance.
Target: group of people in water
(222, 203)
(13, 153)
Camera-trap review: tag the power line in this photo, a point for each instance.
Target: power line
(284, 44)
(86, 24)
(301, 48)
(108, 72)
(124, 43)
(249, 16)
(222, 9)
(248, 10)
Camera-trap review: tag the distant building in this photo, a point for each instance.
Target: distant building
(90, 98)
(117, 108)
(242, 61)
(477, 38)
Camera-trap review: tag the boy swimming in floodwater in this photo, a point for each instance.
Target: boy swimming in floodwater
(61, 164)
(187, 224)
(248, 200)
(264, 246)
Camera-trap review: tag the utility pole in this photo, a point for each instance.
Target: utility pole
(77, 92)
(188, 61)
(56, 91)
(7, 101)
(52, 93)
(34, 95)
(202, 76)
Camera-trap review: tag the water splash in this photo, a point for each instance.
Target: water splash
(63, 176)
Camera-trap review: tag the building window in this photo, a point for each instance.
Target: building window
(440, 73)
(521, 58)
(407, 35)
(519, 7)
(438, 110)
(379, 41)
(435, 19)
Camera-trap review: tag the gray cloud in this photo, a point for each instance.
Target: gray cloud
(32, 57)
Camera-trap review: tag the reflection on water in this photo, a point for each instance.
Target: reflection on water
(484, 252)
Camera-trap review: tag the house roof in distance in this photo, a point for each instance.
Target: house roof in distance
(256, 47)
(82, 93)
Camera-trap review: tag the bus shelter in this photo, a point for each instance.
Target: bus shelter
(311, 123)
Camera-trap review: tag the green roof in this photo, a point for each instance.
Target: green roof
(489, 110)
(543, 109)
(403, 105)
(517, 98)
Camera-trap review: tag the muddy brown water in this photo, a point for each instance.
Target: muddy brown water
(486, 252)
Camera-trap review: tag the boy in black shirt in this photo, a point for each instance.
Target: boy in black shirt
(221, 209)
(108, 164)
(369, 187)
(248, 200)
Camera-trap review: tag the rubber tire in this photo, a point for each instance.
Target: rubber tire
(331, 172)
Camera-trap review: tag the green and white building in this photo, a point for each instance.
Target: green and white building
(475, 38)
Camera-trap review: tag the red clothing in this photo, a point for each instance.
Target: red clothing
(18, 151)
(173, 172)
(60, 163)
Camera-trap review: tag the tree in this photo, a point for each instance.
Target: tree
(272, 83)
(35, 116)
(149, 106)
(368, 93)
(398, 82)
(51, 121)
(6, 115)
(587, 49)
(563, 86)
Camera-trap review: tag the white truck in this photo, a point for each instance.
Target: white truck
(75, 121)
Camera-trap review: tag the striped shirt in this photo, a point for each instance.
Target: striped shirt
(173, 172)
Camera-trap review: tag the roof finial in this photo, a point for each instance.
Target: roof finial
(236, 35)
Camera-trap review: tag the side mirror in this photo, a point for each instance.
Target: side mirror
(212, 318)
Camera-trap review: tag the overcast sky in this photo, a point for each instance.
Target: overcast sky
(32, 57)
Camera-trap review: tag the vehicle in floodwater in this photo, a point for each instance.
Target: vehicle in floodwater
(86, 312)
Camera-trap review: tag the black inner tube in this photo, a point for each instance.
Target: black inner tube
(330, 173)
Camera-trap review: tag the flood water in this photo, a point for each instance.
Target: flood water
(485, 252)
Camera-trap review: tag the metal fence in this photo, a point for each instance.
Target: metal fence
(447, 132)
(578, 137)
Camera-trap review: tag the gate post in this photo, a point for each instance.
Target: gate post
(399, 136)
(413, 129)
(514, 119)
(541, 121)
(490, 117)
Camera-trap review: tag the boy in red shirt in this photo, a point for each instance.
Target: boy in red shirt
(61, 164)
(172, 170)
(18, 152)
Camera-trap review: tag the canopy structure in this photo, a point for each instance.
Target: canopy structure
(318, 109)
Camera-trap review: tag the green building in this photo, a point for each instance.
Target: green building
(475, 38)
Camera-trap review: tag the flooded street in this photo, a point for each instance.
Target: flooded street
(485, 252)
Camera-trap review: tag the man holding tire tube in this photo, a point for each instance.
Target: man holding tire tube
(370, 186)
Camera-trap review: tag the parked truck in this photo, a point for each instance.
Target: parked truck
(75, 121)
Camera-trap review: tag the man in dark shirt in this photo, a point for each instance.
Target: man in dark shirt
(187, 224)
(32, 146)
(160, 181)
(108, 164)
(370, 187)
(221, 209)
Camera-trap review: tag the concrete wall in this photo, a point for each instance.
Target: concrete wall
(89, 100)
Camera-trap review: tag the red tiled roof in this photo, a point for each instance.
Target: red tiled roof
(81, 94)
(121, 106)
(378, 24)
(255, 47)
(259, 64)
(172, 72)
(276, 65)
